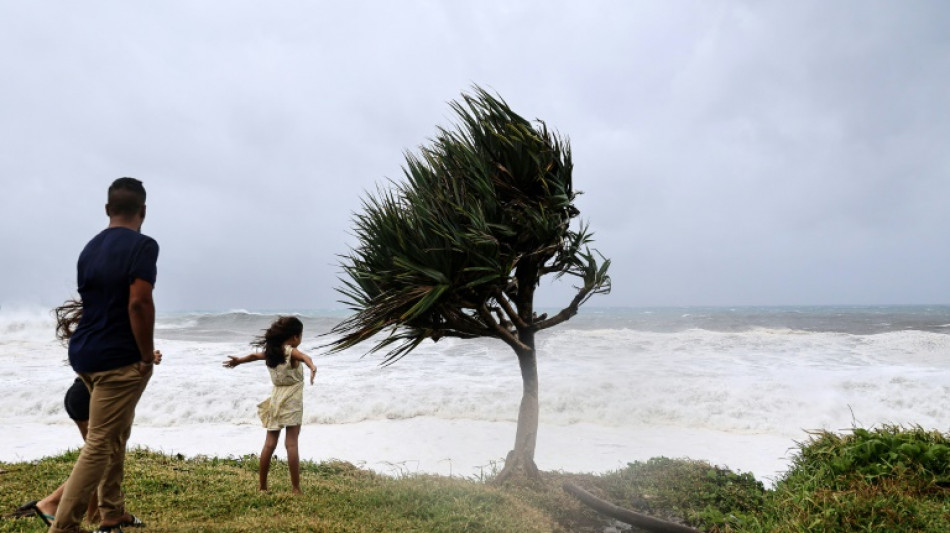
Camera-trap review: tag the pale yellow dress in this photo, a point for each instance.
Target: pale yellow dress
(285, 405)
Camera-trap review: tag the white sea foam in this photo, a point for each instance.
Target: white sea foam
(738, 396)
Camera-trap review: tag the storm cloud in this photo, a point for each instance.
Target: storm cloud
(730, 153)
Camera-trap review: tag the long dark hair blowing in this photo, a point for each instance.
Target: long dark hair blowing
(67, 318)
(273, 339)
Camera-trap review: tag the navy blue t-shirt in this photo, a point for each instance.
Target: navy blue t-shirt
(108, 265)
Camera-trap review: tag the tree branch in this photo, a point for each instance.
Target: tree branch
(565, 314)
(501, 332)
(510, 311)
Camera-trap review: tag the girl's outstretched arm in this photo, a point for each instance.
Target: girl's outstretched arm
(235, 361)
(305, 359)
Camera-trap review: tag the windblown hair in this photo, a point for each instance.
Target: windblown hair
(273, 339)
(67, 318)
(126, 196)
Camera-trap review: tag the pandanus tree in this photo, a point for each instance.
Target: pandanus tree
(459, 248)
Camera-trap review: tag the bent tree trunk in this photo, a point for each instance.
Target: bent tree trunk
(520, 460)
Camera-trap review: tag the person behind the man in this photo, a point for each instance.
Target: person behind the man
(112, 351)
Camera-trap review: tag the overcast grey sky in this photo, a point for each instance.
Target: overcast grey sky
(730, 152)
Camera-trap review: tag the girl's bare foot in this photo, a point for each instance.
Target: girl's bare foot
(46, 508)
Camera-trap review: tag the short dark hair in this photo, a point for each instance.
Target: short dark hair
(126, 196)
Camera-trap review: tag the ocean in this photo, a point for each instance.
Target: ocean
(738, 387)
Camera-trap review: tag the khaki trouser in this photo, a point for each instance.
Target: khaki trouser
(113, 397)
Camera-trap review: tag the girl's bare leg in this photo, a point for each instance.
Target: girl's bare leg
(270, 444)
(293, 457)
(50, 504)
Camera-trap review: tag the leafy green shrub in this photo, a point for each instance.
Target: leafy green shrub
(886, 479)
(912, 455)
(704, 496)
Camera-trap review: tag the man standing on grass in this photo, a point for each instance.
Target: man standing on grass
(112, 351)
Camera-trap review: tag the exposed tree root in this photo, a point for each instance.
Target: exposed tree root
(639, 520)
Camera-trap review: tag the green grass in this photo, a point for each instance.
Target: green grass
(887, 479)
(172, 493)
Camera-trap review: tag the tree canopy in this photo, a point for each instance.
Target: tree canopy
(459, 247)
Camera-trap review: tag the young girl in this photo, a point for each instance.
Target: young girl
(284, 408)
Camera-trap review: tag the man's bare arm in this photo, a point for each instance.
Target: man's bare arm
(142, 317)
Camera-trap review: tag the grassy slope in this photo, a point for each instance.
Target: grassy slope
(176, 494)
(887, 479)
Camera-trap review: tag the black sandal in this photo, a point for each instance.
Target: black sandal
(25, 510)
(133, 521)
(30, 509)
(116, 528)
